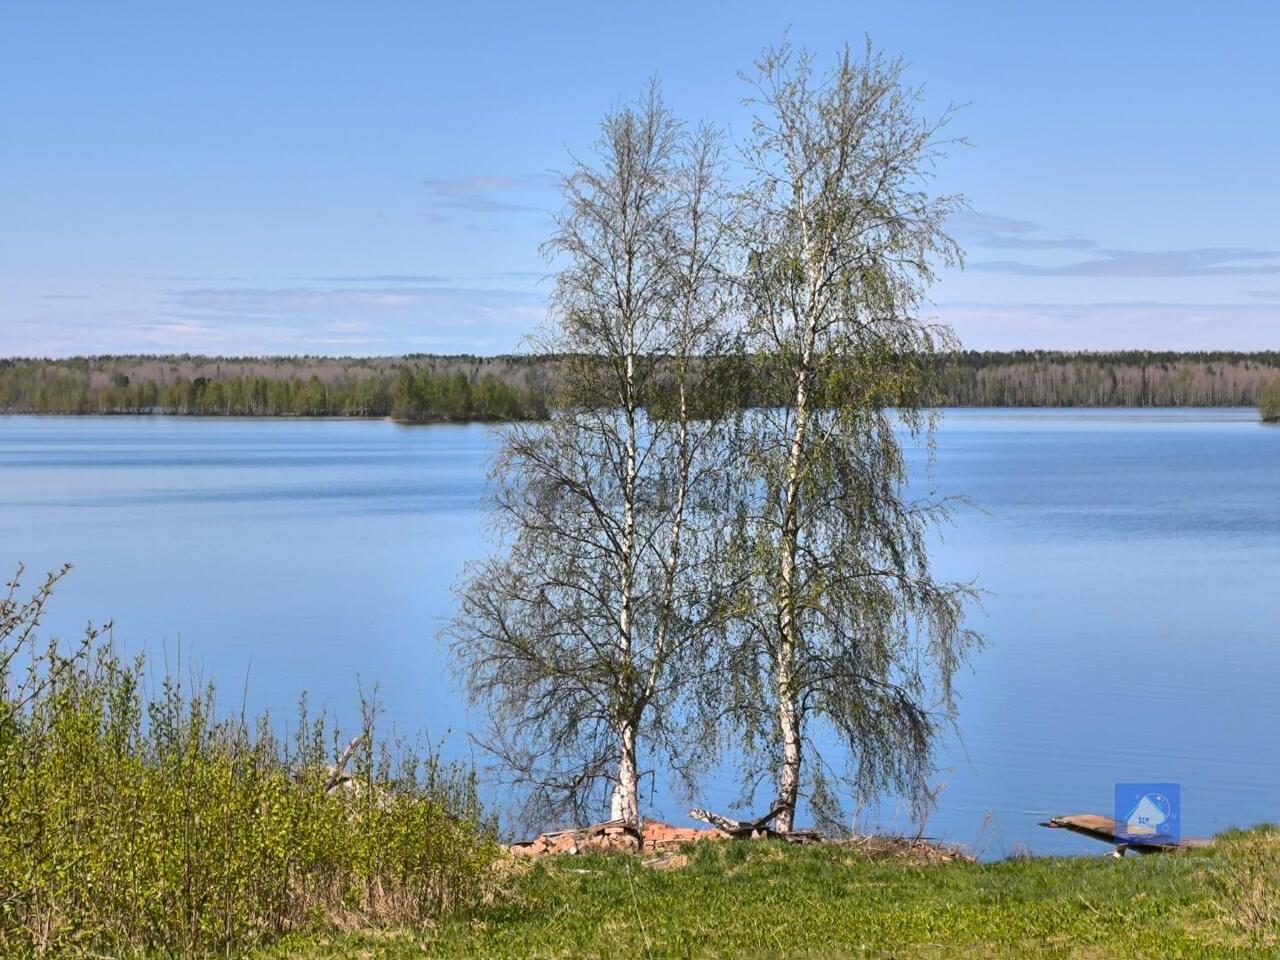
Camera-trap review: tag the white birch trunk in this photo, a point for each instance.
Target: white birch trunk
(789, 628)
(626, 793)
(788, 623)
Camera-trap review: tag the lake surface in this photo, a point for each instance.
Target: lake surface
(1131, 561)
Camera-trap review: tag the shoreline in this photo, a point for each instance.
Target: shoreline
(490, 420)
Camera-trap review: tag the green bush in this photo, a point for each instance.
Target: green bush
(1269, 402)
(131, 822)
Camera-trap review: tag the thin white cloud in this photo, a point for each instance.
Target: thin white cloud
(996, 231)
(392, 318)
(287, 301)
(1202, 262)
(972, 228)
(1147, 325)
(386, 278)
(354, 319)
(486, 194)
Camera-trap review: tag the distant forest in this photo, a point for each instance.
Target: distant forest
(411, 388)
(426, 388)
(1131, 378)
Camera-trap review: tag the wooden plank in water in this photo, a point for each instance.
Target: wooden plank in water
(1105, 829)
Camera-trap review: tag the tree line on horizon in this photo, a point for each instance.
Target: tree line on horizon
(411, 391)
(460, 388)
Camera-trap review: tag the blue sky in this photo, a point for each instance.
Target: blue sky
(371, 178)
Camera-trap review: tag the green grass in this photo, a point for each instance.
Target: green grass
(763, 899)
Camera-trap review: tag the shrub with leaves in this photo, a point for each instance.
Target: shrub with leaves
(143, 822)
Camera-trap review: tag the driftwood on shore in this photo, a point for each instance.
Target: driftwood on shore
(1106, 830)
(662, 843)
(753, 829)
(338, 769)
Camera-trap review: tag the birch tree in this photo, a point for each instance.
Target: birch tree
(579, 633)
(848, 637)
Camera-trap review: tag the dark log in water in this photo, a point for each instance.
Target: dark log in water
(1097, 827)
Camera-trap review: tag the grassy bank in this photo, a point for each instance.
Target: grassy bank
(763, 899)
(152, 824)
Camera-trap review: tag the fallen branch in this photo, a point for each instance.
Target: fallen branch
(336, 771)
(752, 829)
(596, 829)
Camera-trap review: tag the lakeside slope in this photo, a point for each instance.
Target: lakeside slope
(766, 898)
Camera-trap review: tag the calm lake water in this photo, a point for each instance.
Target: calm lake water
(1131, 561)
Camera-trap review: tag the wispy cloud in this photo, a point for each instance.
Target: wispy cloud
(485, 194)
(993, 230)
(184, 330)
(1202, 262)
(357, 318)
(301, 299)
(1112, 325)
(1272, 296)
(519, 275)
(386, 278)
